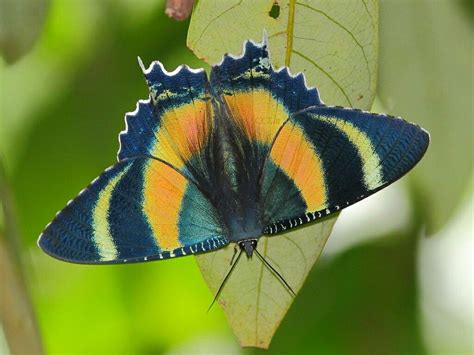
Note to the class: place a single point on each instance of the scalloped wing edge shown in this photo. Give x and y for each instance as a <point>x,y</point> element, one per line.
<point>158,66</point>
<point>281,70</point>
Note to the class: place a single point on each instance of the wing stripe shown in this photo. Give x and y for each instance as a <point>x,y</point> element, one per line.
<point>162,197</point>
<point>255,116</point>
<point>372,170</point>
<point>340,158</point>
<point>181,133</point>
<point>292,153</point>
<point>127,217</point>
<point>102,236</point>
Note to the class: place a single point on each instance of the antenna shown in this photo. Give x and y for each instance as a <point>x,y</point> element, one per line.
<point>267,264</point>
<point>225,279</point>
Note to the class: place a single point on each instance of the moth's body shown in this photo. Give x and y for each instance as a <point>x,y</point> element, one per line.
<point>204,162</point>
<point>235,189</point>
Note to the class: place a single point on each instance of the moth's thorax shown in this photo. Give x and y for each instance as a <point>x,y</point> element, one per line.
<point>245,226</point>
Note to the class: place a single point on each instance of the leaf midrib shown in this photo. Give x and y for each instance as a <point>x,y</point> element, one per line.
<point>289,32</point>
<point>259,285</point>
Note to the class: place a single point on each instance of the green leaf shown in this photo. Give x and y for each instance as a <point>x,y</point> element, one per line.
<point>426,77</point>
<point>335,45</point>
<point>253,299</point>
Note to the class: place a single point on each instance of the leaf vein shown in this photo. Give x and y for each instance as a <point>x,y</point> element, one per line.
<point>289,33</point>
<point>337,23</point>
<point>326,73</point>
<point>215,19</point>
<point>259,286</point>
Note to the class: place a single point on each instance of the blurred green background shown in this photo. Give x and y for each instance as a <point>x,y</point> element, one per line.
<point>396,277</point>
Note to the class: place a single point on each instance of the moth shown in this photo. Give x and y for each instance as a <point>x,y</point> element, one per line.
<point>205,162</point>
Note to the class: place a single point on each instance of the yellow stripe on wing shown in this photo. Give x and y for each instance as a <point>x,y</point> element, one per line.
<point>102,237</point>
<point>371,166</point>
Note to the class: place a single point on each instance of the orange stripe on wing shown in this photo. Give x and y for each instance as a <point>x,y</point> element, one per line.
<point>163,193</point>
<point>182,133</point>
<point>257,113</point>
<point>293,154</point>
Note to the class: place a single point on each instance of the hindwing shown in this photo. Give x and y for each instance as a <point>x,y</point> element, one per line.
<point>327,158</point>
<point>139,209</point>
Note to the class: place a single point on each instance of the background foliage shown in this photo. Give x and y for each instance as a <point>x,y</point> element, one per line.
<point>382,286</point>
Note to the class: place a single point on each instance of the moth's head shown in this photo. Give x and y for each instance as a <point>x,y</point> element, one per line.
<point>248,246</point>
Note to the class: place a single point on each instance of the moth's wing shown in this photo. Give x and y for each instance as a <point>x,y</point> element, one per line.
<point>139,209</point>
<point>257,98</point>
<point>327,158</point>
<point>174,123</point>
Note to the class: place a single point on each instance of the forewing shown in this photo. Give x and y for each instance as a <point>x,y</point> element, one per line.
<point>139,209</point>
<point>327,158</point>
<point>175,123</point>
